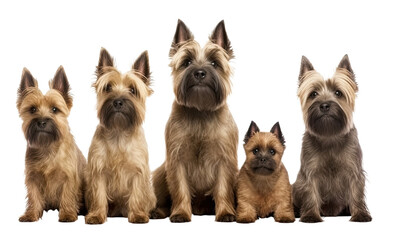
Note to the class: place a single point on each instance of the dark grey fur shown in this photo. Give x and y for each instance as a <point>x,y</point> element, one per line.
<point>331,179</point>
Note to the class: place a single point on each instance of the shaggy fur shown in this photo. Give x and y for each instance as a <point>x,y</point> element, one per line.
<point>118,175</point>
<point>263,187</point>
<point>54,164</point>
<point>201,135</point>
<point>331,179</point>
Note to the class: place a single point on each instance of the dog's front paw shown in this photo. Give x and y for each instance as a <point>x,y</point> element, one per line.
<point>245,219</point>
<point>29,217</point>
<point>225,218</point>
<point>138,219</point>
<point>311,218</point>
<point>361,217</point>
<point>180,218</point>
<point>158,213</point>
<point>67,217</point>
<point>94,219</point>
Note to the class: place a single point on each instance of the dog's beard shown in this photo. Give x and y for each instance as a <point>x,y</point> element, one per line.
<point>42,137</point>
<point>121,119</point>
<point>206,95</point>
<point>266,167</point>
<point>329,123</point>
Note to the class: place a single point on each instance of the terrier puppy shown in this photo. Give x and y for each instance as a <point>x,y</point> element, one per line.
<point>54,165</point>
<point>263,186</point>
<point>118,175</point>
<point>201,136</point>
<point>331,179</point>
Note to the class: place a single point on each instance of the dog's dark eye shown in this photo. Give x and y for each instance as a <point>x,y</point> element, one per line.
<point>132,90</point>
<point>187,62</point>
<point>214,64</point>
<point>272,151</point>
<point>338,93</point>
<point>54,110</point>
<point>255,151</point>
<point>313,94</point>
<point>108,88</point>
<point>33,110</point>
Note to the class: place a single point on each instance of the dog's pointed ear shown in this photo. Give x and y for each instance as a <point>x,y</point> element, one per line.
<point>141,65</point>
<point>61,84</point>
<point>105,61</point>
<point>345,63</point>
<point>305,67</point>
<point>253,128</point>
<point>182,34</point>
<point>276,130</point>
<point>219,37</point>
<point>27,80</point>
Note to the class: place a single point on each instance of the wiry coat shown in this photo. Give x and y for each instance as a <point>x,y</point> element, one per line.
<point>200,169</point>
<point>331,179</point>
<point>118,175</point>
<point>54,165</point>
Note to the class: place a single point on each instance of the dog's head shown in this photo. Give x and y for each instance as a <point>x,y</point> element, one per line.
<point>121,97</point>
<point>44,116</point>
<point>327,105</point>
<point>201,74</point>
<point>263,150</point>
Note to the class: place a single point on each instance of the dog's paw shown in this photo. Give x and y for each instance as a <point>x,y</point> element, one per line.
<point>225,218</point>
<point>92,219</point>
<point>64,217</point>
<point>180,218</point>
<point>361,217</point>
<point>285,219</point>
<point>311,219</point>
<point>245,219</point>
<point>28,218</point>
<point>138,219</point>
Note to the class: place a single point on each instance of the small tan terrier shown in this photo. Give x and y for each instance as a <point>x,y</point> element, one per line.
<point>263,187</point>
<point>118,175</point>
<point>54,165</point>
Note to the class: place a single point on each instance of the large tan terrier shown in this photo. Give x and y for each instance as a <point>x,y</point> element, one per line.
<point>331,179</point>
<point>118,175</point>
<point>54,165</point>
<point>263,187</point>
<point>201,135</point>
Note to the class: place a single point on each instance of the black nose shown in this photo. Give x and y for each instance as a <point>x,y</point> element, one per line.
<point>199,74</point>
<point>42,123</point>
<point>263,160</point>
<point>324,107</point>
<point>118,103</point>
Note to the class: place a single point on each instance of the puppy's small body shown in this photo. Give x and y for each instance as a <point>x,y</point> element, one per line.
<point>118,175</point>
<point>54,164</point>
<point>263,187</point>
<point>331,179</point>
<point>201,136</point>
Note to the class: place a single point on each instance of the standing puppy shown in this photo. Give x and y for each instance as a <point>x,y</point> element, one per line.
<point>201,136</point>
<point>118,175</point>
<point>263,186</point>
<point>54,165</point>
<point>331,178</point>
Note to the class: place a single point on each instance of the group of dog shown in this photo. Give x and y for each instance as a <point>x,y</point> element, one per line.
<point>200,174</point>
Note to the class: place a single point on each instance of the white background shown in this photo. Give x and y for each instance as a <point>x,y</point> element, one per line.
<point>268,38</point>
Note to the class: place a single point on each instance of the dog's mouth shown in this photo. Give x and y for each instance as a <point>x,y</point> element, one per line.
<point>263,166</point>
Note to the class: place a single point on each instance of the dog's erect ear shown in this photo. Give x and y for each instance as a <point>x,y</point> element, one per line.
<point>27,81</point>
<point>182,34</point>
<point>219,37</point>
<point>141,65</point>
<point>105,61</point>
<point>60,83</point>
<point>345,64</point>
<point>305,67</point>
<point>253,128</point>
<point>276,130</point>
